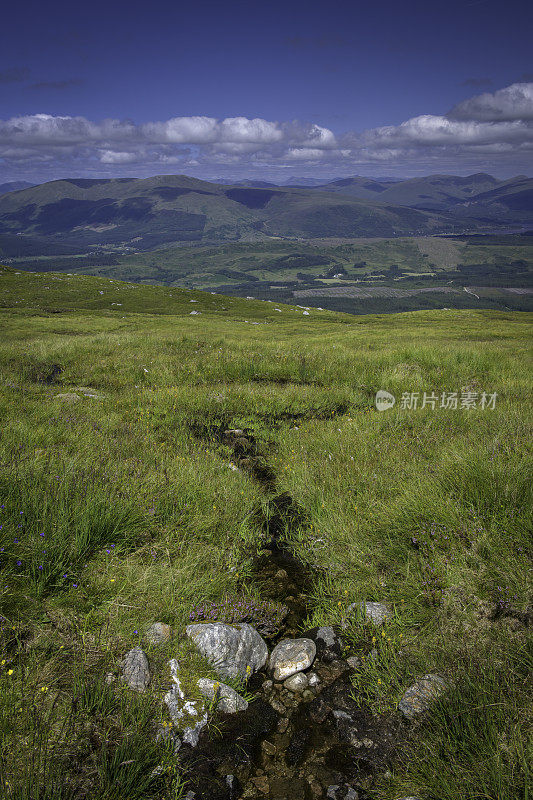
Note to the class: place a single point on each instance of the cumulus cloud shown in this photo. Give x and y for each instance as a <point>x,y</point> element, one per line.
<point>488,131</point>
<point>431,130</point>
<point>515,102</point>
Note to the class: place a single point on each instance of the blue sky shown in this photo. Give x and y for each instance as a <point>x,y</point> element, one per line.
<point>348,68</point>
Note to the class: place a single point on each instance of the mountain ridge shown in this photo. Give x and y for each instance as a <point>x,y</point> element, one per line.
<point>144,213</point>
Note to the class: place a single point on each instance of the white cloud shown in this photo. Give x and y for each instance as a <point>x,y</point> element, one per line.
<point>114,157</point>
<point>515,102</point>
<point>431,130</point>
<point>483,132</point>
<point>181,130</point>
<point>243,130</point>
<point>305,153</point>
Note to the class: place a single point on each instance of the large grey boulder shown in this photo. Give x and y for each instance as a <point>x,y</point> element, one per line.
<point>136,670</point>
<point>421,694</point>
<point>235,651</point>
<point>229,701</point>
<point>291,656</point>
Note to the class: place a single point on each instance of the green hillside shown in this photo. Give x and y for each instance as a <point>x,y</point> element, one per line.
<point>141,214</point>
<point>157,440</point>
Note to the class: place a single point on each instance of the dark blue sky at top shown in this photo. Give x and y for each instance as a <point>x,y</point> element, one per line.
<point>343,65</point>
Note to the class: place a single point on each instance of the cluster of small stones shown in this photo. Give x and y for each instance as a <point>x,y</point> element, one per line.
<point>298,670</point>
<point>309,676</point>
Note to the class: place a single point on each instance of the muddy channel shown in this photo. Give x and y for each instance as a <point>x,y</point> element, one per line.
<point>319,743</point>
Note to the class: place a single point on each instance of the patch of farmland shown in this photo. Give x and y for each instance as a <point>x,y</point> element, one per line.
<point>370,291</point>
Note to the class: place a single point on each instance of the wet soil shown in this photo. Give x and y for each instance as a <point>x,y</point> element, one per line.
<point>320,743</point>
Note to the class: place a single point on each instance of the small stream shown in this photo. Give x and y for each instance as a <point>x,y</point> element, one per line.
<point>319,743</point>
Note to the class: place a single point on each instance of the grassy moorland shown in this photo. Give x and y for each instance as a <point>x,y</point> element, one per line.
<point>121,509</point>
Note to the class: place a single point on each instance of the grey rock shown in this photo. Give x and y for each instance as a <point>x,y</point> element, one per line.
<point>158,633</point>
<point>421,694</point>
<point>328,644</point>
<point>290,656</point>
<point>266,686</point>
<point>192,735</point>
<point>327,635</point>
<point>229,701</point>
<point>345,792</point>
<point>375,612</point>
<point>136,670</point>
<point>235,651</point>
<point>297,682</point>
<point>313,679</point>
<point>354,662</point>
<point>181,709</point>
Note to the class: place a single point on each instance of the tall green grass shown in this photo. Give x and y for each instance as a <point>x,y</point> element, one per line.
<point>122,510</point>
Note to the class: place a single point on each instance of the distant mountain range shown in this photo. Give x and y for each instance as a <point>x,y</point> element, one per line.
<point>81,213</point>
<point>480,192</point>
